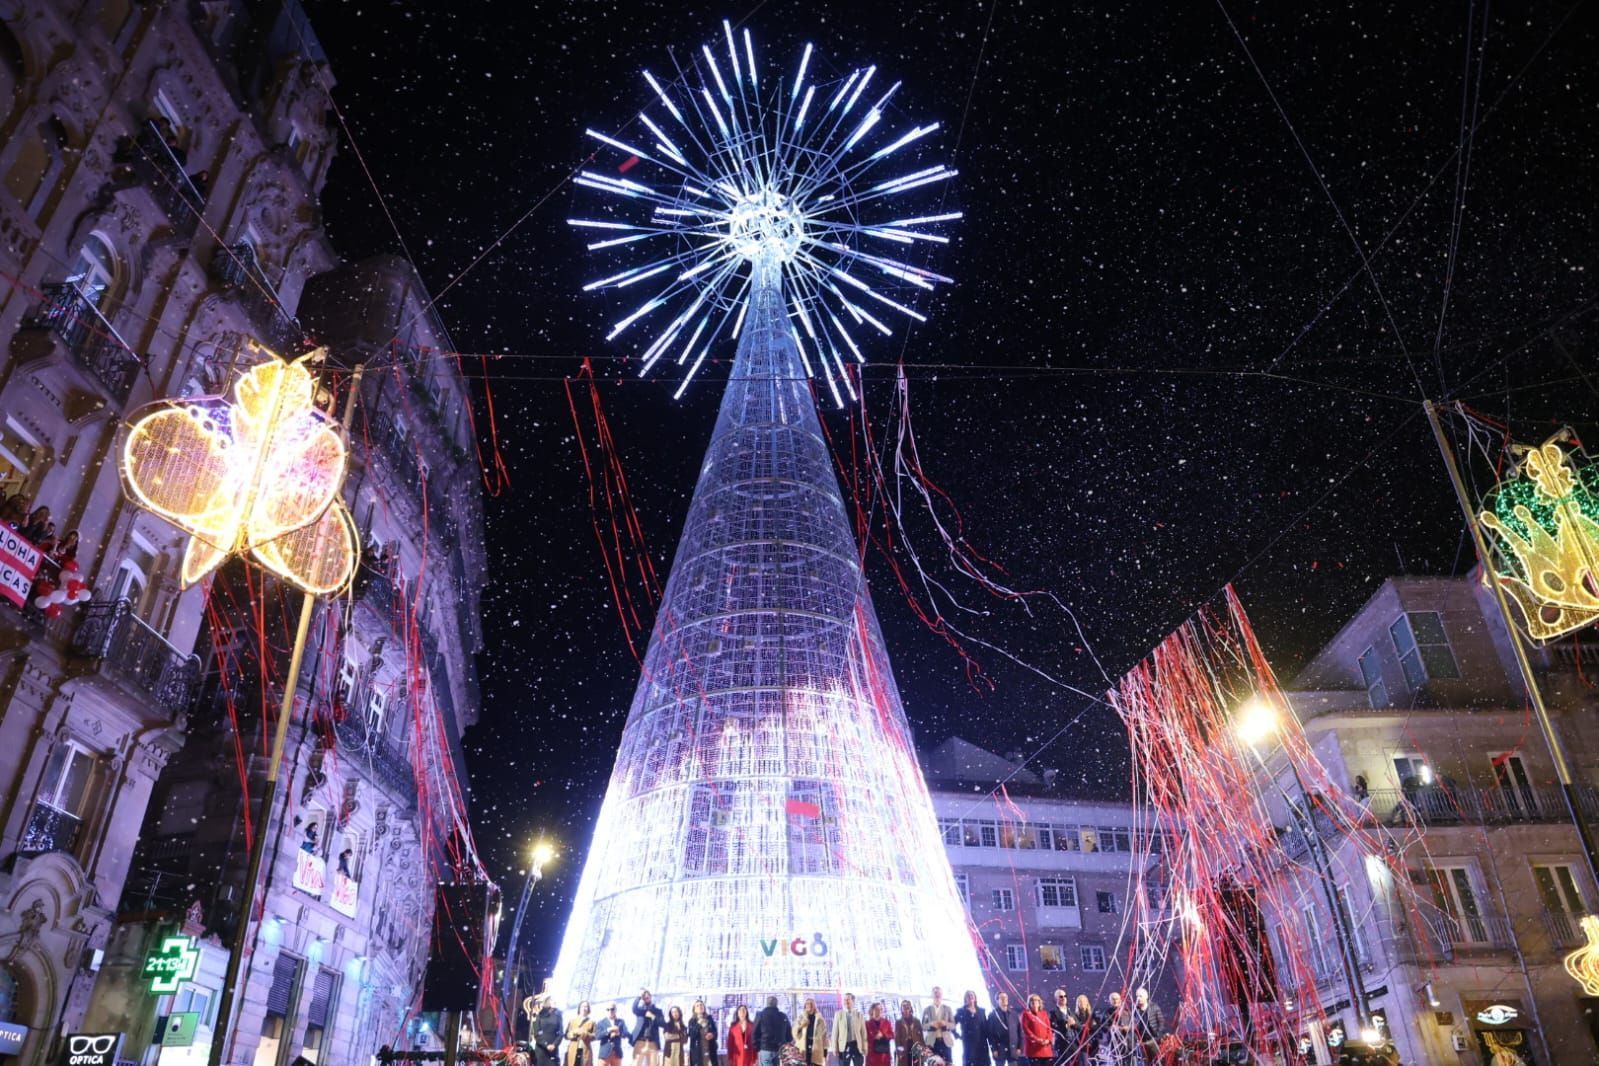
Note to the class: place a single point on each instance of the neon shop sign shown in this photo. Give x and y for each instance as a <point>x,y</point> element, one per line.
<point>816,946</point>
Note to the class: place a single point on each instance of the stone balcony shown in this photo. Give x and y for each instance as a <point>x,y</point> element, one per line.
<point>147,161</point>
<point>236,269</point>
<point>86,358</point>
<point>126,651</point>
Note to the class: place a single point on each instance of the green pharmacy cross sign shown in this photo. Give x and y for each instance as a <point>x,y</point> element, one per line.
<point>171,964</point>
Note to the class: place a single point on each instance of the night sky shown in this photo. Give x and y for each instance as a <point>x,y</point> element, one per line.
<point>1163,367</point>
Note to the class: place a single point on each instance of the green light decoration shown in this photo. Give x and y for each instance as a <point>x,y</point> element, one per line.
<point>171,964</point>
<point>1545,517</point>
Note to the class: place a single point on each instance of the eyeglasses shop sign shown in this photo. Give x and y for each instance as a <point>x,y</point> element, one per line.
<point>91,1049</point>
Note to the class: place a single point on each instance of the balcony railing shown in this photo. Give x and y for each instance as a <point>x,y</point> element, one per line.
<point>148,159</point>
<point>49,829</point>
<point>390,769</point>
<point>1440,805</point>
<point>113,634</point>
<point>236,268</point>
<point>84,331</point>
<point>1564,931</point>
<point>1479,932</point>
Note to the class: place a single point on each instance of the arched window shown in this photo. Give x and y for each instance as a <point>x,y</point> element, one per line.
<point>94,271</point>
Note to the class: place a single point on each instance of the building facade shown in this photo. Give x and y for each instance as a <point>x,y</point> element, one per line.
<point>1463,911</point>
<point>1045,877</point>
<point>160,167</point>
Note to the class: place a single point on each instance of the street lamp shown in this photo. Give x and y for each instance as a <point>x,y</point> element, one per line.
<point>541,854</point>
<point>1254,722</point>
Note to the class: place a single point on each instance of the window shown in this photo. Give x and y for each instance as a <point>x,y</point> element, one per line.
<point>1004,900</point>
<point>963,888</point>
<point>133,573</point>
<point>280,1003</point>
<point>1355,924</point>
<point>1453,894</point>
<point>1057,892</point>
<point>1050,957</point>
<point>344,684</point>
<point>1106,902</point>
<point>1515,787</point>
<point>1423,648</point>
<point>18,453</point>
<point>951,830</point>
<point>68,777</point>
<point>163,108</point>
<point>377,704</point>
<point>1115,838</point>
<point>94,271</point>
<point>1557,887</point>
<point>1067,838</point>
<point>988,833</point>
<point>193,998</point>
<point>1371,676</point>
<point>1015,958</point>
<point>1046,837</point>
<point>319,1013</point>
<point>1090,840</point>
<point>1412,771</point>
<point>1093,958</point>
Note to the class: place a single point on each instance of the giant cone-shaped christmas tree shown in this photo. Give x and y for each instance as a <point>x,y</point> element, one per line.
<point>767,828</point>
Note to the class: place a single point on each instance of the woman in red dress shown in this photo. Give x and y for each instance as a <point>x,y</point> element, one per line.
<point>741,1039</point>
<point>879,1037</point>
<point>1038,1038</point>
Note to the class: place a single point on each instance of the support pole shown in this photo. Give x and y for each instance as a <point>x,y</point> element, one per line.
<point>452,1037</point>
<point>258,842</point>
<point>1557,751</point>
<point>224,1031</point>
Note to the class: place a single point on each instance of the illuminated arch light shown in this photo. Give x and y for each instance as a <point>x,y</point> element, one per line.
<point>259,474</point>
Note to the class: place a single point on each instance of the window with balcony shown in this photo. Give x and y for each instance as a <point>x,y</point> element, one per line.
<point>1454,894</point>
<point>1050,957</point>
<point>1057,892</point>
<point>1093,956</point>
<point>62,802</point>
<point>1004,900</point>
<point>1371,677</point>
<point>1515,785</point>
<point>94,272</point>
<point>132,579</point>
<point>1557,887</point>
<point>1015,958</point>
<point>344,683</point>
<point>377,706</point>
<point>1423,648</point>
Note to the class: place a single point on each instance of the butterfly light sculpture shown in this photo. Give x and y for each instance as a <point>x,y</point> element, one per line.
<point>257,474</point>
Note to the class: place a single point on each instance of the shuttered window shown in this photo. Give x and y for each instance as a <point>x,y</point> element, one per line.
<point>285,972</point>
<point>322,996</point>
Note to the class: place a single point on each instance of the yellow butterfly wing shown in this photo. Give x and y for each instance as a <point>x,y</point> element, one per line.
<point>319,558</point>
<point>178,461</point>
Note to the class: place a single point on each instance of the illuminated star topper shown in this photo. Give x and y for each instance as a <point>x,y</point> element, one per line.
<point>260,473</point>
<point>744,178</point>
<point>1546,515</point>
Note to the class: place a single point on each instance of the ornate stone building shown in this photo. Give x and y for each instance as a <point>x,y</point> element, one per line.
<point>160,166</point>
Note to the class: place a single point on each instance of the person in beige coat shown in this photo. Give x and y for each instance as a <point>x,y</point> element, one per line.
<point>849,1034</point>
<point>810,1035</point>
<point>580,1038</point>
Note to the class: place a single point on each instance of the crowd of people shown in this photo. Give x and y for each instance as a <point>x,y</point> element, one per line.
<point>59,580</point>
<point>1065,1033</point>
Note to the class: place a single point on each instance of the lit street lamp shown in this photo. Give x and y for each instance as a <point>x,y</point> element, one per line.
<point>542,853</point>
<point>1255,721</point>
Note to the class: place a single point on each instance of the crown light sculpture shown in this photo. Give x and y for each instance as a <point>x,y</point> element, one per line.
<point>260,476</point>
<point>767,828</point>
<point>1545,515</point>
<point>1583,964</point>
